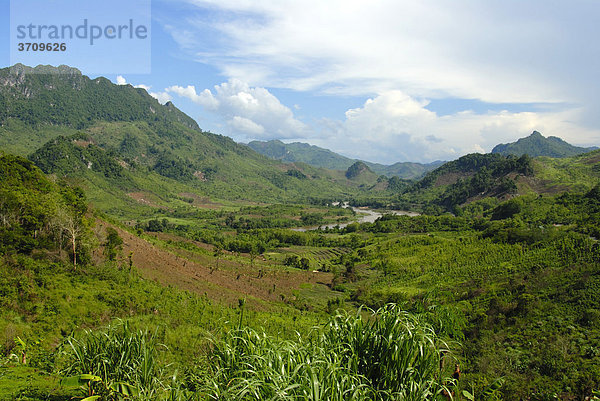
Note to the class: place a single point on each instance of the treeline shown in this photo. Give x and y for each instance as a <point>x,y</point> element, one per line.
<point>36,213</point>
<point>75,154</point>
<point>495,164</point>
<point>260,240</point>
<point>529,218</point>
<point>480,175</point>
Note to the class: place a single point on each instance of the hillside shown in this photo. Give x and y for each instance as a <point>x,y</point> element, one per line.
<point>537,145</point>
<point>141,255</point>
<point>319,157</point>
<point>119,140</point>
<point>301,152</point>
<point>488,178</point>
<point>175,312</point>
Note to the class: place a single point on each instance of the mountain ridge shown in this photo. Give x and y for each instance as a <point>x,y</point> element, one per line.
<point>119,132</point>
<point>537,145</point>
<point>321,157</point>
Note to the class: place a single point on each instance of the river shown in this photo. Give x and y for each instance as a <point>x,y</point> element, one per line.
<point>365,215</point>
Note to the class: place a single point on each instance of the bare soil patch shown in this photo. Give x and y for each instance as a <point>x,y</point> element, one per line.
<point>262,283</point>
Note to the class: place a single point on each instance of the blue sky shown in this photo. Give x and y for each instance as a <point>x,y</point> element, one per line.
<point>383,81</point>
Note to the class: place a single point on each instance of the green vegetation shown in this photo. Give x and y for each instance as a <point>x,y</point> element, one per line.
<point>297,152</point>
<point>388,356</point>
<point>202,270</point>
<point>537,145</point>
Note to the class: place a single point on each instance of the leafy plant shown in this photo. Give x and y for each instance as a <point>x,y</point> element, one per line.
<point>116,360</point>
<point>95,388</point>
<point>389,356</point>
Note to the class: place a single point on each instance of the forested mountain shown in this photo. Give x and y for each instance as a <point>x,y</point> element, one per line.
<point>492,177</point>
<point>319,157</point>
<point>76,126</point>
<point>538,145</point>
<point>204,270</point>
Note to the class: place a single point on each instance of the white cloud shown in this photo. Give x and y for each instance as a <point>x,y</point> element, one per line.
<point>162,97</point>
<point>145,87</point>
<point>395,127</point>
<point>387,128</point>
<point>250,112</point>
<point>205,98</point>
<point>246,126</point>
<point>492,51</point>
<point>399,53</point>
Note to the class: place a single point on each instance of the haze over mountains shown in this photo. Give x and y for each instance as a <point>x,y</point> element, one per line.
<point>533,145</point>
<point>319,157</point>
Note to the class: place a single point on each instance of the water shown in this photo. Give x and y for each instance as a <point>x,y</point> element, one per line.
<point>365,215</point>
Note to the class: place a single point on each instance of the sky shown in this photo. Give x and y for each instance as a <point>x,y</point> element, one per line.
<point>380,80</point>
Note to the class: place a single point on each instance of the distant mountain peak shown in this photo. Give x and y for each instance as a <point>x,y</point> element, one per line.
<point>537,145</point>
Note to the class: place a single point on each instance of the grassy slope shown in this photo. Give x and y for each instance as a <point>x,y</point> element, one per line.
<point>577,173</point>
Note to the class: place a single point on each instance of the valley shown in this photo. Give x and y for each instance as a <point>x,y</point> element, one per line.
<point>144,258</point>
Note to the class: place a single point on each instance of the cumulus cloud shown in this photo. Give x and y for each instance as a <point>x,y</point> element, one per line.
<point>492,51</point>
<point>250,112</point>
<point>162,97</point>
<point>246,126</point>
<point>145,87</point>
<point>398,54</point>
<point>395,127</point>
<point>387,128</point>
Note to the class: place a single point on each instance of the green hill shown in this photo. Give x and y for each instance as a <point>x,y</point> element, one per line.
<point>119,140</point>
<point>319,157</point>
<point>538,145</point>
<point>195,287</point>
<point>496,177</point>
<point>301,152</point>
<point>361,173</point>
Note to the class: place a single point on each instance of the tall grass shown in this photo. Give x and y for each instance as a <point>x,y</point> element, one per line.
<point>118,354</point>
<point>391,355</point>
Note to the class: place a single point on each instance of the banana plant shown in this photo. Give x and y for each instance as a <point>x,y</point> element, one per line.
<point>96,389</point>
<point>22,349</point>
<point>490,393</point>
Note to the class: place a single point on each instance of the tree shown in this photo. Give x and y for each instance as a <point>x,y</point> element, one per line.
<point>253,254</point>
<point>113,244</point>
<point>217,253</point>
<point>70,226</point>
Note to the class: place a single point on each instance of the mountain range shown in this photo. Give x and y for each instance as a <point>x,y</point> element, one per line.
<point>320,157</point>
<point>116,136</point>
<point>534,145</point>
<point>132,154</point>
